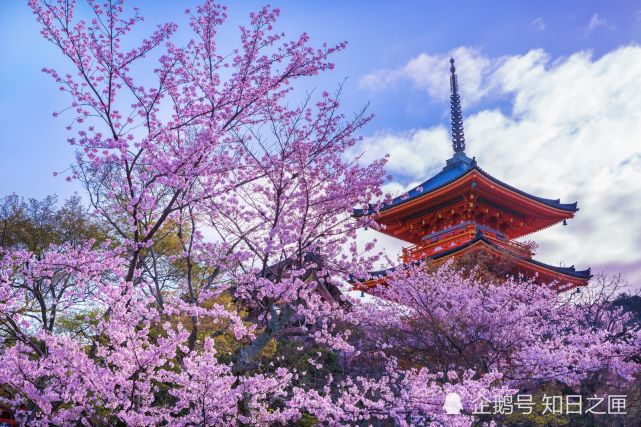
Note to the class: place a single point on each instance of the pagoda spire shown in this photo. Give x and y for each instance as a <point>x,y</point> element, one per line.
<point>458,137</point>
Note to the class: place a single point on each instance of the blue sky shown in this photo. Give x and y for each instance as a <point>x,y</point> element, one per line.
<point>550,93</point>
<point>381,35</point>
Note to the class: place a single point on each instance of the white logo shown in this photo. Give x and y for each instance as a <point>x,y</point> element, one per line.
<point>452,405</point>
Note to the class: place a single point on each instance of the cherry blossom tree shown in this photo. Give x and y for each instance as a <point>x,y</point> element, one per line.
<point>448,319</point>
<point>228,204</point>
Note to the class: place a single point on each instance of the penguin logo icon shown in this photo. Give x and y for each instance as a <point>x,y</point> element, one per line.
<point>452,405</point>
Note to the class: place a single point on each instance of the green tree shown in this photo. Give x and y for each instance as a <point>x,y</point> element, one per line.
<point>34,224</point>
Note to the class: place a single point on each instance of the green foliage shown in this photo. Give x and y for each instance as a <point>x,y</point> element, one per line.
<point>537,418</point>
<point>307,420</point>
<point>77,324</point>
<point>35,224</point>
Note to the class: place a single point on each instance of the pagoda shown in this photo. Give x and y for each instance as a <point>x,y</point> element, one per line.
<point>463,209</point>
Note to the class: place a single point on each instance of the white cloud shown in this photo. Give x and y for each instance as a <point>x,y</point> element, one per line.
<point>538,24</point>
<point>426,72</point>
<point>596,22</point>
<point>574,132</point>
<point>410,152</point>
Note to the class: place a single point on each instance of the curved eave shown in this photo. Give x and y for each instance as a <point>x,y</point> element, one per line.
<point>570,273</point>
<point>565,271</point>
<point>448,176</point>
<point>433,184</point>
<point>553,203</point>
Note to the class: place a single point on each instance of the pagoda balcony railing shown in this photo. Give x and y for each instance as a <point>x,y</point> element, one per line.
<point>458,236</point>
<point>517,248</point>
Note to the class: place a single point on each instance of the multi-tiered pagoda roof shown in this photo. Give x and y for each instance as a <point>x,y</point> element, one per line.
<point>463,208</point>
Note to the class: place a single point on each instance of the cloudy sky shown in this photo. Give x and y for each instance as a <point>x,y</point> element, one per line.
<point>551,95</point>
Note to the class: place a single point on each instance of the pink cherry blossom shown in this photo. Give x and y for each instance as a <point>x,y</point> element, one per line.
<point>229,209</point>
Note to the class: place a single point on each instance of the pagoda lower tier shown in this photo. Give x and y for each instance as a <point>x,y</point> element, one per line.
<point>470,238</point>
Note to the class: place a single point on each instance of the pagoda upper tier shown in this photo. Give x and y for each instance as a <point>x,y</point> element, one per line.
<point>462,191</point>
